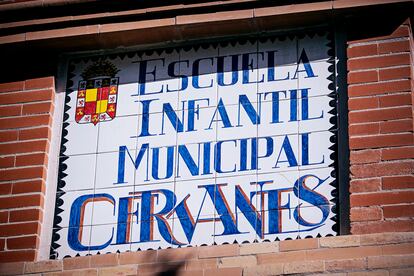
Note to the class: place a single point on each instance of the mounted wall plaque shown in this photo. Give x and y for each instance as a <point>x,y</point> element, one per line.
<point>200,145</point>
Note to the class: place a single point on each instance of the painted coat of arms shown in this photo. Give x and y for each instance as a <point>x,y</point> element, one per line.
<point>97,93</point>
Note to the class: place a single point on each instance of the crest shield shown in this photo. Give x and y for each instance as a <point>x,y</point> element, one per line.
<point>96,100</point>
<point>97,94</point>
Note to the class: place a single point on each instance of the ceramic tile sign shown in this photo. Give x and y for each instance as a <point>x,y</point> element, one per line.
<point>228,142</point>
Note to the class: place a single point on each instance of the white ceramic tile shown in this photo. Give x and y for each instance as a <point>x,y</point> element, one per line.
<point>246,228</point>
<point>276,191</point>
<point>83,240</point>
<point>194,233</point>
<point>314,113</point>
<point>238,123</point>
<point>162,194</point>
<point>83,205</point>
<point>195,161</point>
<point>199,125</point>
<point>157,164</point>
<point>316,220</point>
<point>161,211</point>
<point>121,131</point>
<point>278,118</point>
<point>315,46</point>
<point>145,240</point>
<point>199,195</point>
<point>128,85</point>
<point>156,88</point>
<point>80,170</point>
<point>314,150</point>
<point>111,172</point>
<point>278,153</point>
<point>193,218</point>
<point>231,159</point>
<point>202,88</point>
<point>279,224</point>
<point>127,99</point>
<point>104,240</point>
<point>318,85</point>
<point>81,139</point>
<point>106,204</point>
<point>240,76</point>
<point>277,64</point>
<point>159,131</point>
<point>315,187</point>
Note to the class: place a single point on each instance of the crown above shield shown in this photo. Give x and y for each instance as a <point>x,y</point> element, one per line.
<point>100,69</point>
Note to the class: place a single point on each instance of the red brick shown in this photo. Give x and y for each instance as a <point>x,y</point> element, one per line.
<point>380,115</point>
<point>17,256</point>
<point>343,253</point>
<point>21,201</point>
<point>18,229</point>
<point>31,186</point>
<point>382,169</point>
<point>397,153</point>
<point>8,136</point>
<point>381,141</point>
<point>366,214</point>
<point>362,103</point>
<point>31,159</point>
<point>362,76</point>
<point>2,245</point>
<point>396,126</point>
<point>378,62</point>
<point>401,31</point>
<point>394,73</point>
<point>398,211</point>
<point>104,260</point>
<point>23,147</point>
<point>282,257</point>
<point>394,47</point>
<point>140,257</point>
<point>382,198</point>
<point>364,129</point>
<point>26,121</point>
<point>26,97</point>
<point>365,156</point>
<point>6,162</point>
<point>34,133</point>
<point>5,188</point>
<point>4,216</point>
<point>398,182</point>
<point>293,245</point>
<point>11,86</point>
<point>361,51</point>
<point>23,173</point>
<point>77,262</point>
<point>13,268</point>
<point>395,100</point>
<point>12,110</point>
<point>37,108</point>
<point>379,88</point>
<point>382,226</point>
<point>39,83</point>
<point>26,215</point>
<point>398,249</point>
<point>365,185</point>
<point>26,242</point>
<point>218,251</point>
<point>225,271</point>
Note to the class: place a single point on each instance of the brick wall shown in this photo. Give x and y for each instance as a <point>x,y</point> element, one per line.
<point>356,255</point>
<point>382,184</point>
<point>26,109</point>
<point>381,133</point>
